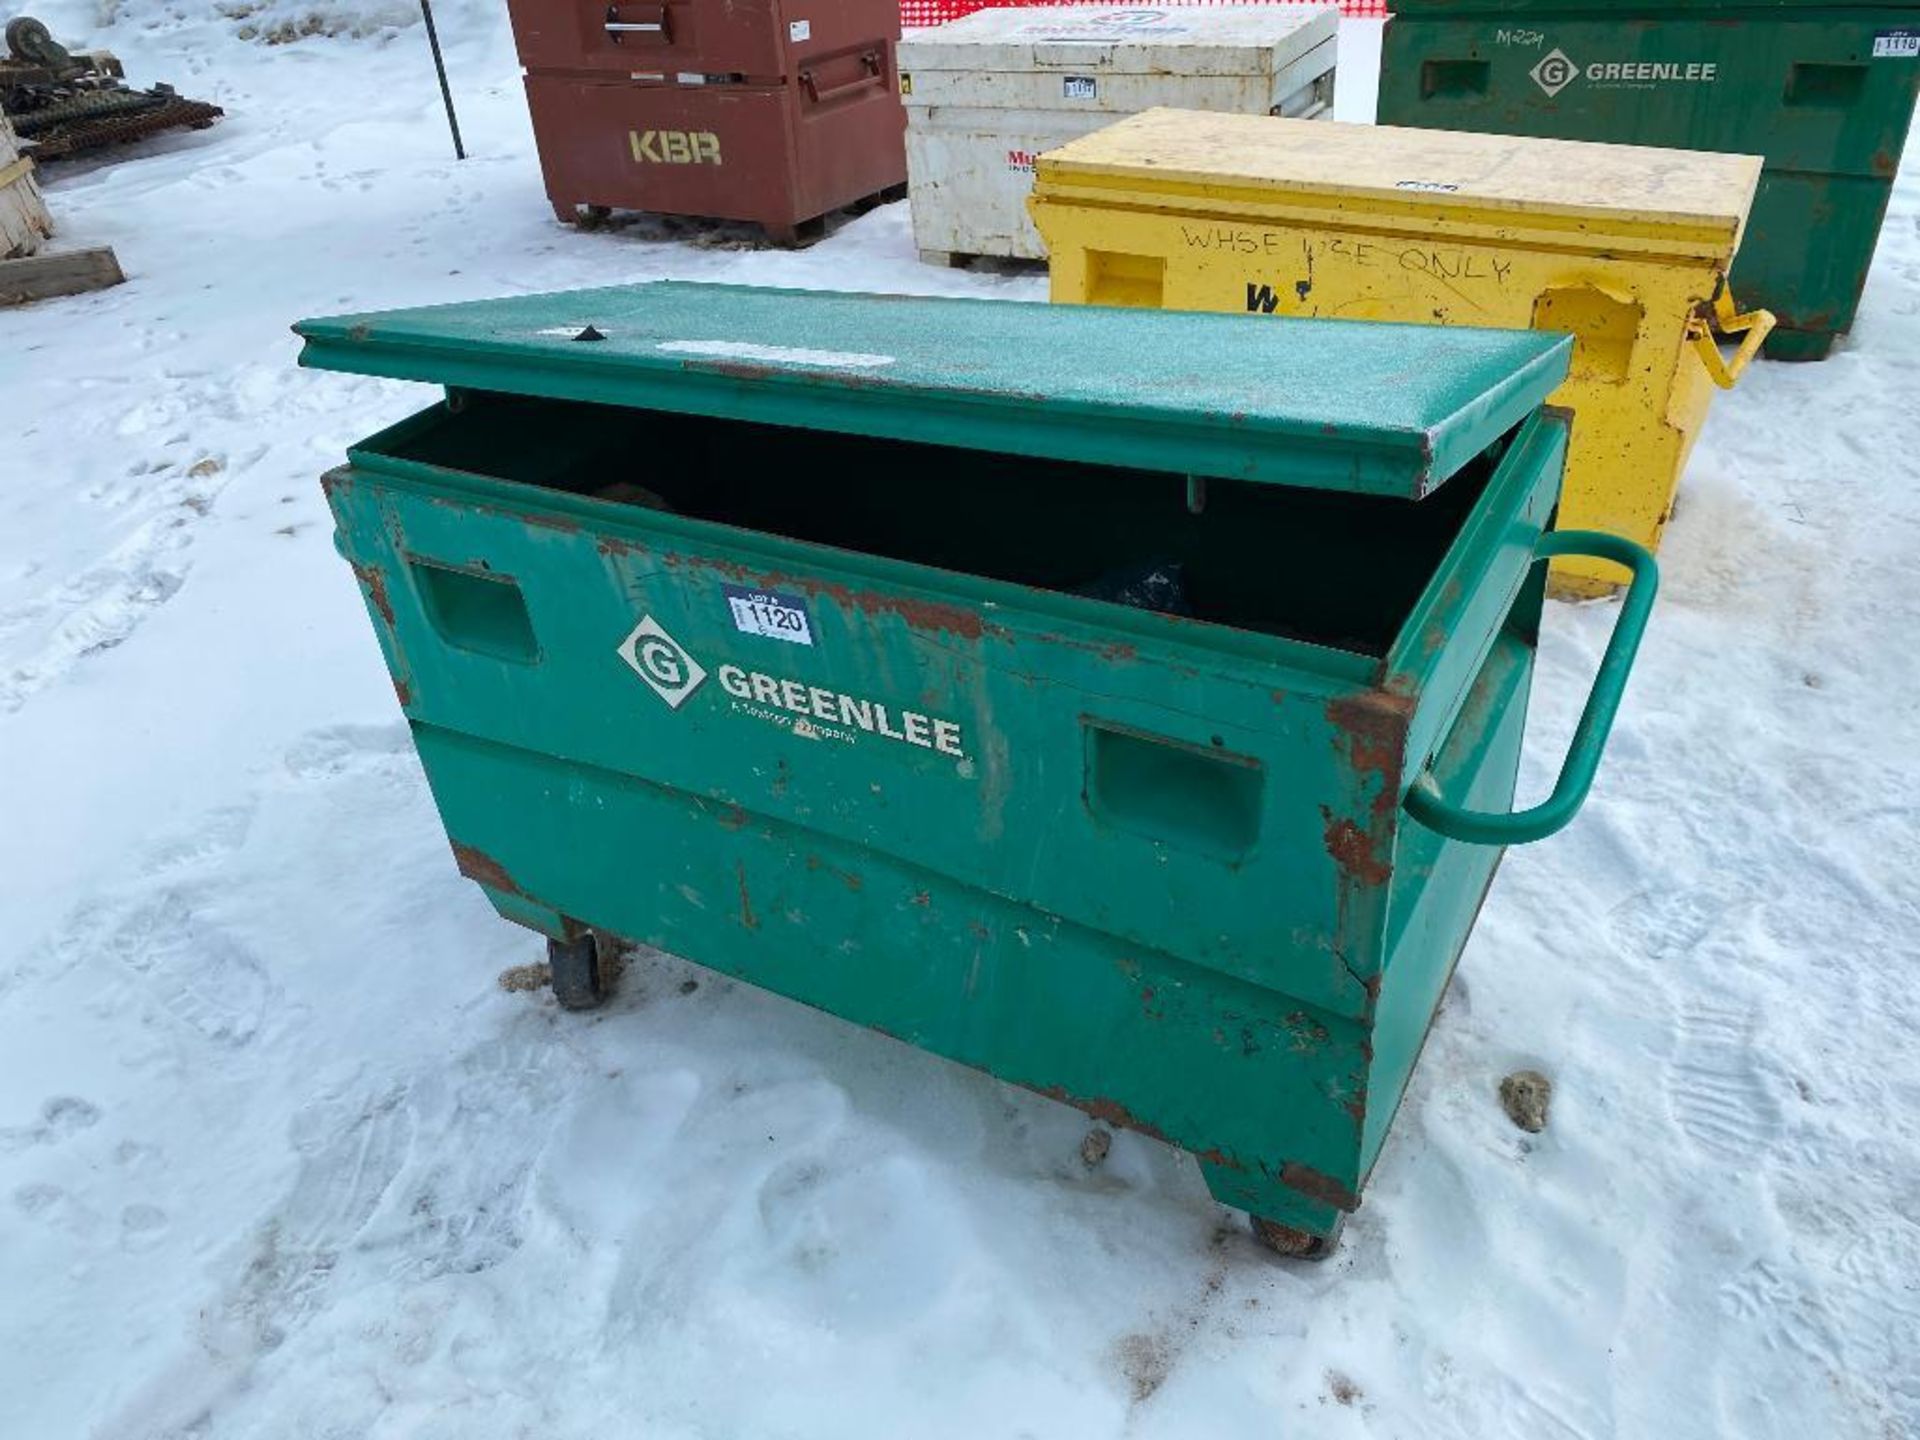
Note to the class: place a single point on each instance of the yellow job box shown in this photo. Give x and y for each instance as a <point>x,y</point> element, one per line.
<point>1624,246</point>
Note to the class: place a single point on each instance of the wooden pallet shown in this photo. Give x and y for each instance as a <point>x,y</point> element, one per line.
<point>24,221</point>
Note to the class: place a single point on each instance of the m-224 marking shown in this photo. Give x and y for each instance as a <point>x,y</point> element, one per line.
<point>674,147</point>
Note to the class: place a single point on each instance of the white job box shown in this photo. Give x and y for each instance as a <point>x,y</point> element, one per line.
<point>989,91</point>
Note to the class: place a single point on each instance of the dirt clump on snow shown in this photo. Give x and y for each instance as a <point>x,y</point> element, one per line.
<point>1525,1095</point>
<point>525,979</point>
<point>1094,1148</point>
<point>1343,1388</point>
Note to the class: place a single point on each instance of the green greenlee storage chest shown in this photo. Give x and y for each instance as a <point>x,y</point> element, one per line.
<point>1824,90</point>
<point>1125,703</point>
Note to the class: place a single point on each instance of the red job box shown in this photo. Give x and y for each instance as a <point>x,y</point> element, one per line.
<point>770,111</point>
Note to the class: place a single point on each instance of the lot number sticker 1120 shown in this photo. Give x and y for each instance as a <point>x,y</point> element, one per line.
<point>769,613</point>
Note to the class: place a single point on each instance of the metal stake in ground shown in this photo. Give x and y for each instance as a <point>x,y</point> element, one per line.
<point>440,69</point>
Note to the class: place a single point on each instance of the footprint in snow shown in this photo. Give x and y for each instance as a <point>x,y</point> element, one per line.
<point>337,749</point>
<point>60,1117</point>
<point>201,975</point>
<point>217,834</point>
<point>1716,1090</point>
<point>53,1206</point>
<point>1784,1313</point>
<point>142,1226</point>
<point>351,1151</point>
<point>464,1208</point>
<point>1667,925</point>
<point>1536,1409</point>
<point>868,1248</point>
<point>95,611</point>
<point>101,606</point>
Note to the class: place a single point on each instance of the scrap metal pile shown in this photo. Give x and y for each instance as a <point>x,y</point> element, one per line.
<point>64,102</point>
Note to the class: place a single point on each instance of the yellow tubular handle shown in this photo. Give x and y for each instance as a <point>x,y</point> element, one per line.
<point>1727,319</point>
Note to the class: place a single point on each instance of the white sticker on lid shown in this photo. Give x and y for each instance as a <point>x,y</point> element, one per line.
<point>1897,45</point>
<point>777,354</point>
<point>798,30</point>
<point>769,613</point>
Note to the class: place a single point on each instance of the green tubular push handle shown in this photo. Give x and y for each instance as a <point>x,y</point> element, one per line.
<point>1424,801</point>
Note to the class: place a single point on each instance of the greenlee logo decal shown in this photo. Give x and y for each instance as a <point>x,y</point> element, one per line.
<point>810,712</point>
<point>656,657</point>
<point>1557,70</point>
<point>815,713</point>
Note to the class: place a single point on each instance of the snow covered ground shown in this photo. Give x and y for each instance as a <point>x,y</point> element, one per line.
<point>278,1157</point>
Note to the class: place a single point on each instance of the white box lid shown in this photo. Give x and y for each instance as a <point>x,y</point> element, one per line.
<point>1097,40</point>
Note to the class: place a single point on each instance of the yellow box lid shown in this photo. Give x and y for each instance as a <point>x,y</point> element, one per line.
<point>1635,189</point>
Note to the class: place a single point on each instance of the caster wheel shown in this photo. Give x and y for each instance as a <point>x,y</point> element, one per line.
<point>579,974</point>
<point>1293,1243</point>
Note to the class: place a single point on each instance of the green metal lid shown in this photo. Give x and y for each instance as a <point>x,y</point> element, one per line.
<point>1336,405</point>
